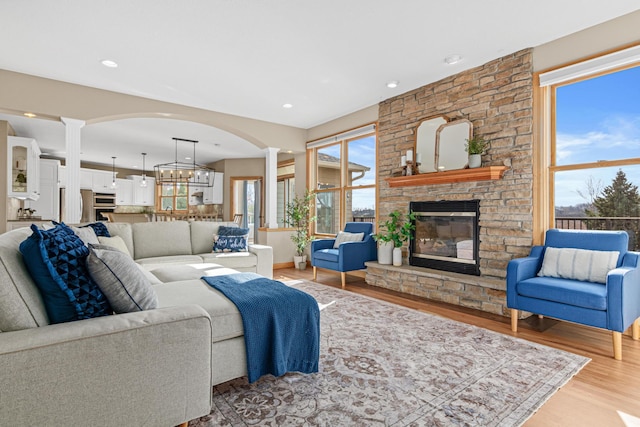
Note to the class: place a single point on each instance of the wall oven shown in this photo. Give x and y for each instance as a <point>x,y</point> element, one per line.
<point>103,203</point>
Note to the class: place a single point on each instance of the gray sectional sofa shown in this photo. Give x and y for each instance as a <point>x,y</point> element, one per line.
<point>148,368</point>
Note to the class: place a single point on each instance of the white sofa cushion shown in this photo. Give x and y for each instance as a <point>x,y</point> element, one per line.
<point>578,264</point>
<point>155,239</point>
<point>224,314</point>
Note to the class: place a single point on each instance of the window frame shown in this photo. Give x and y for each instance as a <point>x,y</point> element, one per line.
<point>343,188</point>
<point>544,147</point>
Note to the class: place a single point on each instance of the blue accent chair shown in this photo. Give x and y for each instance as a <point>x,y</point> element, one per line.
<point>613,306</point>
<point>348,256</point>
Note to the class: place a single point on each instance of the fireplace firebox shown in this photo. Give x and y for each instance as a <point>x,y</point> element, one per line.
<point>446,236</point>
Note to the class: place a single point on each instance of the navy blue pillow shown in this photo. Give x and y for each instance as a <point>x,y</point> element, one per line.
<point>223,230</point>
<point>99,228</point>
<point>231,239</point>
<point>56,259</point>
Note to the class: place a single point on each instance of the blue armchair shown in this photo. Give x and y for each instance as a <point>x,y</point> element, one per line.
<point>348,256</point>
<point>613,305</point>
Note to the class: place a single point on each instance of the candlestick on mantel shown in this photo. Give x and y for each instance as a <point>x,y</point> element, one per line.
<point>403,161</point>
<point>409,155</point>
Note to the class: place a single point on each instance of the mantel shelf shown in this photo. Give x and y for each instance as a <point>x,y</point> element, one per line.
<point>448,177</point>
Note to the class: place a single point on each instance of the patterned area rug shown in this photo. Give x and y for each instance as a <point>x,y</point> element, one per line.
<point>386,365</point>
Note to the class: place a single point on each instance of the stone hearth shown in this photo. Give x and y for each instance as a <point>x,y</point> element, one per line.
<point>482,293</point>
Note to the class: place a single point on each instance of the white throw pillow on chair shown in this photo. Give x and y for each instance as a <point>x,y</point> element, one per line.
<point>344,236</point>
<point>578,264</point>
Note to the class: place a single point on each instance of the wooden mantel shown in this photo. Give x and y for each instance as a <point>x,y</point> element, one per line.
<point>448,177</point>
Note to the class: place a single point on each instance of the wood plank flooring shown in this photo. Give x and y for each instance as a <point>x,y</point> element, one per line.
<point>605,393</point>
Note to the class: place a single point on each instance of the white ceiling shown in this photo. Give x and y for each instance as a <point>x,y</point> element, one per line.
<point>248,57</point>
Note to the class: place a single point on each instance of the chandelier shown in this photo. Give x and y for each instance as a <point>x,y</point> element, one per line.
<point>193,174</point>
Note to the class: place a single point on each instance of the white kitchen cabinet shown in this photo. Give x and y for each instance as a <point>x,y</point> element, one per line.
<point>214,195</point>
<point>86,179</point>
<point>23,168</point>
<point>102,181</point>
<point>143,196</point>
<point>48,204</point>
<point>124,192</point>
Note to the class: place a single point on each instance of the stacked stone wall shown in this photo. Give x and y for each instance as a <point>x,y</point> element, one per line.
<point>498,99</point>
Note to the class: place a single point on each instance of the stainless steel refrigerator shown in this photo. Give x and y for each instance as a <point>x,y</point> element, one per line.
<point>86,205</point>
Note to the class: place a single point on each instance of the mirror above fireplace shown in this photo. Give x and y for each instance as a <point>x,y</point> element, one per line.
<point>426,142</point>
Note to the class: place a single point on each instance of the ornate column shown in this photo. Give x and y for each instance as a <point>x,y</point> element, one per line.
<point>72,208</point>
<point>271,188</point>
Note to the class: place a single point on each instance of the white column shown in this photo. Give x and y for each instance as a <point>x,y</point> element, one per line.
<point>73,208</point>
<point>271,188</point>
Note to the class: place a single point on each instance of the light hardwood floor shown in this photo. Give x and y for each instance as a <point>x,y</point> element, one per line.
<point>605,393</point>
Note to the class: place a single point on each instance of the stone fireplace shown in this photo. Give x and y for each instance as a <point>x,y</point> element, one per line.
<point>446,236</point>
<point>498,99</point>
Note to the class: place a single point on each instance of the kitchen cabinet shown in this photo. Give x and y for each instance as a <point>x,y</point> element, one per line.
<point>207,195</point>
<point>86,179</point>
<point>23,168</point>
<point>143,196</point>
<point>124,192</point>
<point>214,195</point>
<point>98,181</point>
<point>102,181</point>
<point>47,206</point>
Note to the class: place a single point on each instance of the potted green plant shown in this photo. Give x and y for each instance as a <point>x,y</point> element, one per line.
<point>476,146</point>
<point>398,230</point>
<point>298,214</point>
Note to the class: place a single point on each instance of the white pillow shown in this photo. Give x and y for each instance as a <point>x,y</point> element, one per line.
<point>343,236</point>
<point>578,264</point>
<point>115,242</point>
<point>87,235</point>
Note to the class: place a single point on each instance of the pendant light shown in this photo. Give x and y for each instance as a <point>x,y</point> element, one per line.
<point>191,174</point>
<point>143,183</point>
<point>113,173</point>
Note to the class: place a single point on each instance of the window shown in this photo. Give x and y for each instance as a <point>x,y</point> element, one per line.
<point>174,197</point>
<point>594,157</point>
<point>285,189</point>
<point>344,178</point>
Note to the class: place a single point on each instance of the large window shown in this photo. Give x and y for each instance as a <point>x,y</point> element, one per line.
<point>594,157</point>
<point>344,178</point>
<point>174,198</point>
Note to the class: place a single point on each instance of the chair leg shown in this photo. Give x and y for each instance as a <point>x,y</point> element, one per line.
<point>315,272</point>
<point>617,345</point>
<point>514,320</point>
<point>343,276</point>
<point>635,329</point>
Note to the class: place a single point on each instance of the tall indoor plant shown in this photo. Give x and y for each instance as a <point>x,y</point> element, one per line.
<point>397,230</point>
<point>299,217</point>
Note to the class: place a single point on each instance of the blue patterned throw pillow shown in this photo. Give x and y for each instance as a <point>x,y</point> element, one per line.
<point>99,228</point>
<point>230,239</point>
<point>56,260</point>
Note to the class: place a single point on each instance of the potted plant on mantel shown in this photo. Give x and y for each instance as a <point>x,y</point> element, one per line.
<point>397,231</point>
<point>476,146</point>
<point>299,217</point>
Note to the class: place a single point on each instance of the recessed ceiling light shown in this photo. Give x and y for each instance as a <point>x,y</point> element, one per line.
<point>109,63</point>
<point>453,59</point>
<point>392,84</point>
<point>287,105</point>
<point>30,115</point>
<point>187,158</point>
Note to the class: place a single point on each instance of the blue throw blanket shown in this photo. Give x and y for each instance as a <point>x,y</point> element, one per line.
<point>281,324</point>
